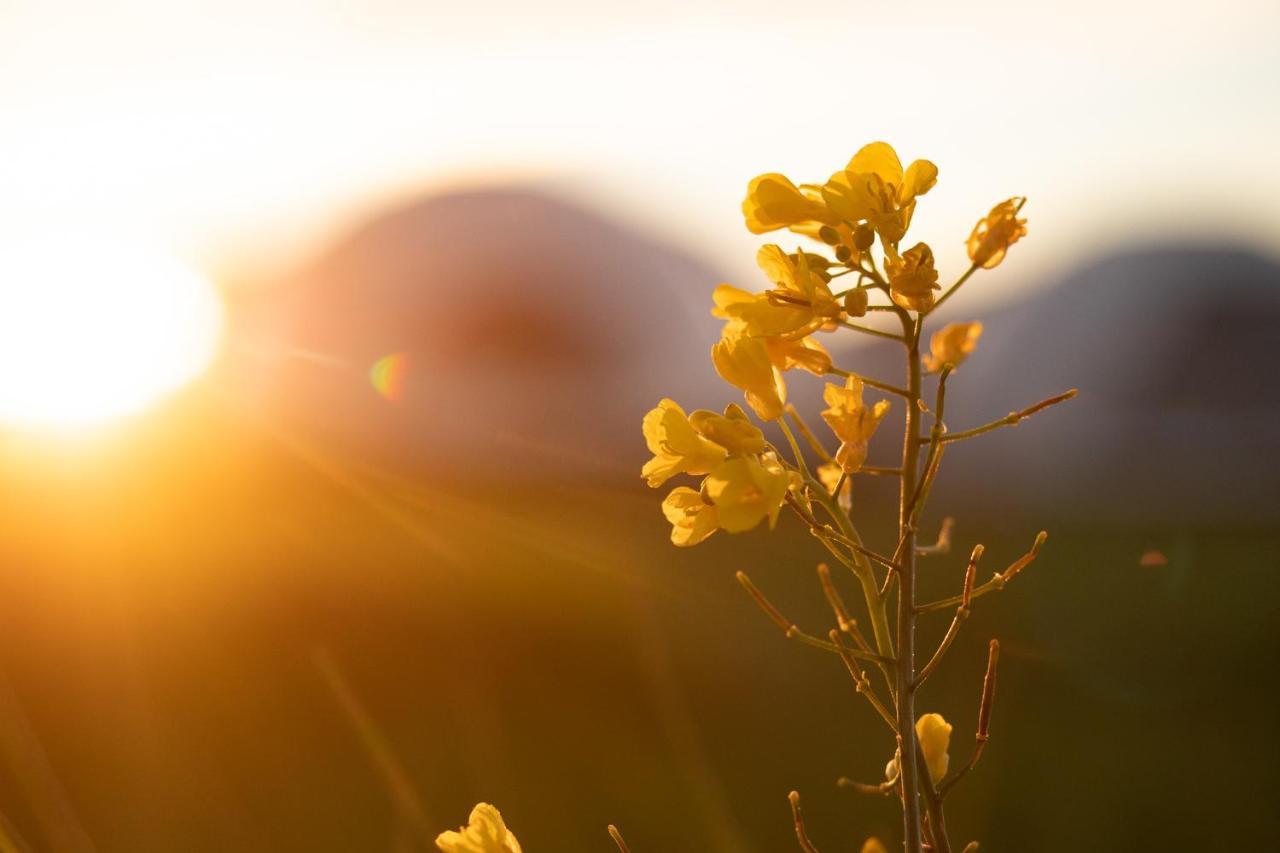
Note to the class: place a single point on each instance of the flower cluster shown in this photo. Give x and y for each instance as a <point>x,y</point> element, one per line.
<point>771,331</point>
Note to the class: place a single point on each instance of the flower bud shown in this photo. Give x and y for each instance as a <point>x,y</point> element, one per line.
<point>855,302</point>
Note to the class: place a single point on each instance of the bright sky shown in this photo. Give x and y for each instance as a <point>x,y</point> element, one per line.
<point>243,133</point>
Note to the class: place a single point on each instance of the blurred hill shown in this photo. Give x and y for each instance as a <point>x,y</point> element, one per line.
<point>537,333</point>
<point>1171,348</point>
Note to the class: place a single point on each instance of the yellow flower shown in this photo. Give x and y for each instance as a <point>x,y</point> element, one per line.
<point>934,734</point>
<point>996,232</point>
<point>805,353</point>
<point>935,737</point>
<point>692,519</point>
<point>759,315</point>
<point>851,421</point>
<point>746,491</point>
<point>744,362</point>
<point>484,833</point>
<point>733,430</point>
<point>873,845</point>
<point>873,188</point>
<point>912,277</point>
<point>676,446</point>
<point>774,202</point>
<point>800,299</point>
<point>952,345</point>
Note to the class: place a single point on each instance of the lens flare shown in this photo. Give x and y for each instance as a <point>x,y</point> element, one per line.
<point>93,329</point>
<point>388,375</point>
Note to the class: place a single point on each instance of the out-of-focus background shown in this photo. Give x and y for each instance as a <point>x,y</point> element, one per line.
<point>325,335</point>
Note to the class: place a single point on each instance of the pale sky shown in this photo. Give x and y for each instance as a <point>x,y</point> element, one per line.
<point>242,134</point>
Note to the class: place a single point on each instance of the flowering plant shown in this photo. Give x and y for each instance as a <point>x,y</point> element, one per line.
<point>861,215</point>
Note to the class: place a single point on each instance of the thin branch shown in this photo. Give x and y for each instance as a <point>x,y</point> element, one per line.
<point>997,581</point>
<point>885,788</point>
<point>943,545</point>
<point>984,719</point>
<point>879,471</point>
<point>617,839</point>
<point>827,530</point>
<point>808,434</point>
<point>1012,418</point>
<point>867,330</point>
<point>934,457</point>
<point>860,680</point>
<point>792,631</point>
<point>871,383</point>
<point>962,613</point>
<point>801,836</point>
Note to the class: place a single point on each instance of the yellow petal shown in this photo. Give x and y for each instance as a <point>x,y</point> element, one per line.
<point>744,362</point>
<point>692,519</point>
<point>774,202</point>
<point>732,430</point>
<point>873,845</point>
<point>485,832</point>
<point>806,353</point>
<point>920,178</point>
<point>676,446</point>
<point>952,345</point>
<point>745,491</point>
<point>934,733</point>
<point>878,158</point>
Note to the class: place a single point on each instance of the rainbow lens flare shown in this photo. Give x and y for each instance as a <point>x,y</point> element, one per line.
<point>388,375</point>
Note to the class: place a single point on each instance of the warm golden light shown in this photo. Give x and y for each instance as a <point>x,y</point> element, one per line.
<point>92,329</point>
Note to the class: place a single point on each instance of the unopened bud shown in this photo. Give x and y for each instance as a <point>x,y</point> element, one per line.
<point>863,237</point>
<point>843,254</point>
<point>829,235</point>
<point>855,302</point>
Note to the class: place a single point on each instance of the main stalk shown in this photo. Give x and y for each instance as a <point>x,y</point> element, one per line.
<point>906,560</point>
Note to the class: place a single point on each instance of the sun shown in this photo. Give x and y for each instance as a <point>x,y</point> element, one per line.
<point>94,329</point>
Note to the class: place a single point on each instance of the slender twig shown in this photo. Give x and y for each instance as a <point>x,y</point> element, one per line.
<point>984,719</point>
<point>801,836</point>
<point>795,449</point>
<point>1012,418</point>
<point>870,383</point>
<point>808,435</point>
<point>943,545</point>
<point>879,471</point>
<point>617,839</point>
<point>971,847</point>
<point>867,330</point>
<point>850,625</point>
<point>792,631</point>
<point>860,680</point>
<point>934,458</point>
<point>885,788</point>
<point>826,530</point>
<point>962,613</point>
<point>997,581</point>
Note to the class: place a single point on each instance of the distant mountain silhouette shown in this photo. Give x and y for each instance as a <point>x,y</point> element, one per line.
<point>538,334</point>
<point>1178,416</point>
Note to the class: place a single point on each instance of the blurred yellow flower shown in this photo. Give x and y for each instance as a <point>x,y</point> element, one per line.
<point>952,345</point>
<point>934,733</point>
<point>692,519</point>
<point>774,202</point>
<point>851,421</point>
<point>746,490</point>
<point>874,188</point>
<point>676,446</point>
<point>744,362</point>
<point>912,277</point>
<point>484,833</point>
<point>996,232</point>
<point>733,430</point>
<point>873,845</point>
<point>829,475</point>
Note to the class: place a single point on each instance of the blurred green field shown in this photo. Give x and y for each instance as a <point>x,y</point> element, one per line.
<point>548,651</point>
